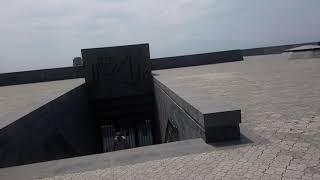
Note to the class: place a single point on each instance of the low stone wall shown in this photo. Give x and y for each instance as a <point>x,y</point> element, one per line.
<point>42,75</point>
<point>60,129</point>
<point>273,49</point>
<point>305,54</point>
<point>157,64</point>
<point>196,59</point>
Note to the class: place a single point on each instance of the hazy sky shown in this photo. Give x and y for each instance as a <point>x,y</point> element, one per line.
<point>37,34</point>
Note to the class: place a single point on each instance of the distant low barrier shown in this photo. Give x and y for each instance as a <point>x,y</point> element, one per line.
<point>157,64</point>
<point>273,49</point>
<point>42,75</point>
<point>197,59</point>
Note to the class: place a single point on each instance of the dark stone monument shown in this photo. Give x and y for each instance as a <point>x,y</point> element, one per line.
<point>120,88</point>
<point>115,72</point>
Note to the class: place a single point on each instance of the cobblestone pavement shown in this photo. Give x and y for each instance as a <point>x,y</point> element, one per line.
<point>280,101</point>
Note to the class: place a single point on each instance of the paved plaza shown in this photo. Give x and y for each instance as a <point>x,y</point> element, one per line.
<point>279,100</point>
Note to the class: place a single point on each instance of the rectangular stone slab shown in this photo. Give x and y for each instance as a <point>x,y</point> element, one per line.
<point>121,71</point>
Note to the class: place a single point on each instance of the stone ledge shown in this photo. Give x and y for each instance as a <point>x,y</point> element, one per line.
<point>218,118</point>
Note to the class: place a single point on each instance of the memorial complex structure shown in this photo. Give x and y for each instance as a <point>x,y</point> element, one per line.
<point>117,113</point>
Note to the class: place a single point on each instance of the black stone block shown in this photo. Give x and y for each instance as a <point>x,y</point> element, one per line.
<point>221,133</point>
<point>223,118</point>
<point>114,72</point>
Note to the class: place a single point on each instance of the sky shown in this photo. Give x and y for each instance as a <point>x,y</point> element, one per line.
<point>38,34</point>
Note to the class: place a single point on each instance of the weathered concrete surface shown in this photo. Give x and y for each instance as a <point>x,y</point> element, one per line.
<point>42,75</point>
<point>196,59</point>
<point>53,125</point>
<point>279,100</point>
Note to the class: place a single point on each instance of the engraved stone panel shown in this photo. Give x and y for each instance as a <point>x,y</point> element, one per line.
<point>115,72</point>
<point>172,133</point>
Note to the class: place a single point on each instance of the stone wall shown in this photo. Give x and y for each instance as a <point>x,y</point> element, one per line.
<point>196,59</point>
<point>157,64</point>
<point>60,129</point>
<point>273,49</point>
<point>42,75</point>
